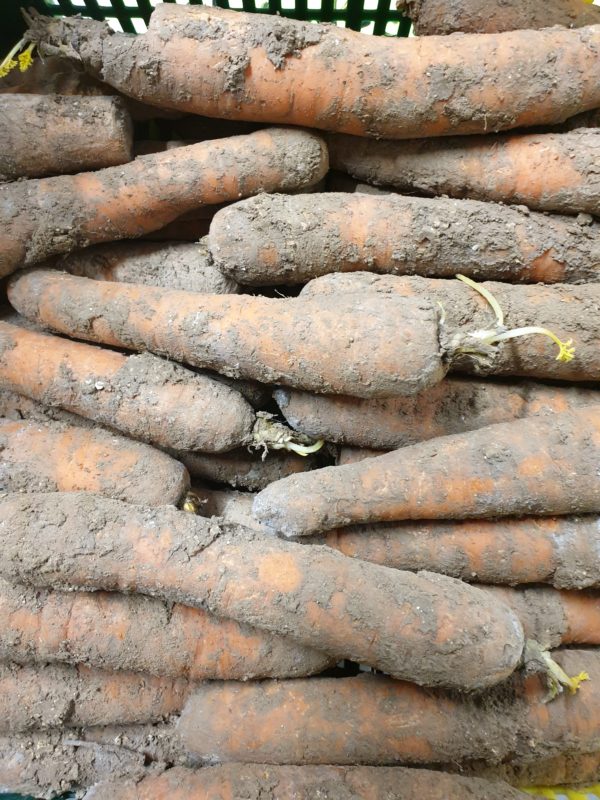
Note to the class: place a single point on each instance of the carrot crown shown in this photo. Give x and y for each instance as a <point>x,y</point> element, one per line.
<point>23,60</point>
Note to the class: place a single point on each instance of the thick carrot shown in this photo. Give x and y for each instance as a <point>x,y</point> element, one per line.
<point>268,69</point>
<point>54,456</point>
<point>426,628</point>
<point>563,770</point>
<point>369,346</point>
<point>267,782</point>
<point>453,406</point>
<point>53,134</point>
<point>50,216</point>
<point>142,396</point>
<point>271,239</point>
<point>562,551</point>
<point>545,171</point>
<point>568,311</point>
<point>175,265</point>
<point>140,634</point>
<point>374,720</point>
<point>441,17</point>
<point>540,465</point>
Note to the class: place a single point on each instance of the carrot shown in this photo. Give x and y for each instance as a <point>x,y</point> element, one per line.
<point>267,69</point>
<point>54,456</point>
<point>141,395</point>
<point>275,239</point>
<point>40,696</point>
<point>469,321</point>
<point>352,455</point>
<point>540,465</point>
<point>233,507</point>
<point>50,216</point>
<point>426,628</point>
<point>587,119</point>
<point>453,406</point>
<point>545,171</point>
<point>175,265</point>
<point>140,634</point>
<point>562,551</point>
<point>375,720</point>
<point>50,135</point>
<point>563,770</point>
<point>440,17</point>
<point>18,407</point>
<point>266,782</point>
<point>273,340</point>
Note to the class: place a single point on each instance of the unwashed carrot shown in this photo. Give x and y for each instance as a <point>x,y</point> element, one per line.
<point>562,551</point>
<point>54,456</point>
<point>570,769</point>
<point>277,239</point>
<point>269,69</point>
<point>50,216</point>
<point>267,782</point>
<point>140,634</point>
<point>441,17</point>
<point>18,407</point>
<point>453,406</point>
<point>539,465</point>
<point>351,455</point>
<point>545,171</point>
<point>53,134</point>
<point>367,346</point>
<point>40,696</point>
<point>374,720</point>
<point>426,628</point>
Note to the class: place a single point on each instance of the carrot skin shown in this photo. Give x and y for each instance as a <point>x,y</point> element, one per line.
<point>50,216</point>
<point>348,346</point>
<point>423,627</point>
<point>265,69</point>
<point>490,472</point>
<point>282,239</point>
<point>53,456</point>
<point>545,171</point>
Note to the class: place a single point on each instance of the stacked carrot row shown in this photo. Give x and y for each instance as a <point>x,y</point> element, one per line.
<point>293,512</point>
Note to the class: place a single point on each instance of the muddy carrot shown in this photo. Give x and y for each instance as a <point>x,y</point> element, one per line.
<point>277,238</point>
<point>233,507</point>
<point>50,216</point>
<point>307,721</point>
<point>562,551</point>
<point>453,406</point>
<point>367,346</point>
<point>267,782</point>
<point>54,456</point>
<point>426,628</point>
<point>268,69</point>
<point>53,134</point>
<point>545,171</point>
<point>562,770</point>
<point>351,455</point>
<point>441,17</point>
<point>539,466</point>
<point>175,265</point>
<point>141,634</point>
<point>18,407</point>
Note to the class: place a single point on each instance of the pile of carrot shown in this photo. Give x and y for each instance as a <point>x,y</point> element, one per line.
<point>300,407</point>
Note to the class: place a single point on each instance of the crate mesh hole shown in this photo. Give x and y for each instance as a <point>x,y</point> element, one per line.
<point>114,24</point>
<point>139,25</point>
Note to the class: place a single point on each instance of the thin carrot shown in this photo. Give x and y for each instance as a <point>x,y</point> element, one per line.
<point>374,720</point>
<point>545,171</point>
<point>540,465</point>
<point>50,216</point>
<point>222,63</point>
<point>387,346</point>
<point>54,456</point>
<point>277,239</point>
<point>441,17</point>
<point>140,634</point>
<point>426,628</point>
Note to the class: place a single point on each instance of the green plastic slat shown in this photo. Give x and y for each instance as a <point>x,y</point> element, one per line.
<point>354,14</point>
<point>381,17</point>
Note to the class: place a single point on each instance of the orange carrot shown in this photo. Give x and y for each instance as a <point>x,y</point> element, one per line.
<point>387,346</point>
<point>351,455</point>
<point>54,456</point>
<point>222,63</point>
<point>540,465</point>
<point>425,628</point>
<point>119,632</point>
<point>374,720</point>
<point>276,239</point>
<point>545,171</point>
<point>562,770</point>
<point>49,216</point>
